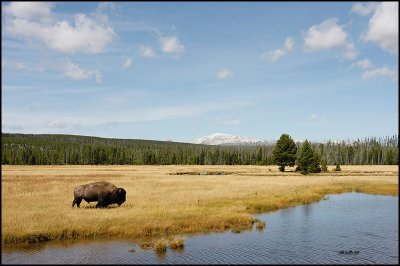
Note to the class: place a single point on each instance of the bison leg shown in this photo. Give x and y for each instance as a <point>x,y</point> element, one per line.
<point>103,201</point>
<point>76,201</point>
<point>100,203</point>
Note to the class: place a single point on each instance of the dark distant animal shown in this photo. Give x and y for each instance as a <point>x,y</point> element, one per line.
<point>103,192</point>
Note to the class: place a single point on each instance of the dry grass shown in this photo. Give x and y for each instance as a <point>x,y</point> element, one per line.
<point>147,244</point>
<point>260,225</point>
<point>176,243</point>
<point>36,200</point>
<point>160,246</point>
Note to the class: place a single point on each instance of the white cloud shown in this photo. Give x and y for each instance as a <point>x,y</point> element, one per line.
<point>325,36</point>
<point>316,117</point>
<point>364,10</point>
<point>275,55</point>
<point>329,35</point>
<point>84,35</point>
<point>147,52</point>
<point>288,45</point>
<point>76,73</point>
<point>33,121</point>
<point>364,64</point>
<point>55,124</point>
<point>128,62</point>
<point>350,53</point>
<point>224,74</point>
<point>171,44</point>
<point>105,6</point>
<point>29,10</point>
<point>234,122</point>
<point>22,66</point>
<point>383,28</point>
<point>98,76</point>
<point>383,71</point>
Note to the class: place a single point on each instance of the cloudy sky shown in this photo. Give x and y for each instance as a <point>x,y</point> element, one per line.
<point>178,71</point>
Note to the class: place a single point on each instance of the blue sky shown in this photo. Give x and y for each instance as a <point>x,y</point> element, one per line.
<point>179,71</point>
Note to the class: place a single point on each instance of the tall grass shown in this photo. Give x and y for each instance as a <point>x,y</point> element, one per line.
<point>176,243</point>
<point>260,225</point>
<point>36,200</point>
<point>160,246</point>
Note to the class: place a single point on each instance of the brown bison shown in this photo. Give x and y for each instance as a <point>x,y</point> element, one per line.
<point>103,192</point>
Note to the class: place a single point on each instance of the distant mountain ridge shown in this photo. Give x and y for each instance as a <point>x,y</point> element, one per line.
<point>223,139</point>
<point>228,140</point>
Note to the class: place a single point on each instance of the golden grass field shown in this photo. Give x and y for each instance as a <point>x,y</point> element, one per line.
<point>36,200</point>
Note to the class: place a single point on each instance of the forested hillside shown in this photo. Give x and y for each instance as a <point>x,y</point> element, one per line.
<point>30,149</point>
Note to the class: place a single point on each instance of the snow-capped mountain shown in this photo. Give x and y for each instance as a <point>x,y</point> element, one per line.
<point>227,139</point>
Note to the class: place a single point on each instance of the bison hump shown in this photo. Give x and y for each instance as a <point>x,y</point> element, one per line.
<point>102,184</point>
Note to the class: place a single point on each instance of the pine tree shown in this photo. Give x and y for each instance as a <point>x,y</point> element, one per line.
<point>315,165</point>
<point>284,153</point>
<point>308,159</point>
<point>324,166</point>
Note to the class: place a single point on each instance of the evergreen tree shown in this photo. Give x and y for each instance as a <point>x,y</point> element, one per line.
<point>308,159</point>
<point>315,165</point>
<point>284,153</point>
<point>22,149</point>
<point>324,166</point>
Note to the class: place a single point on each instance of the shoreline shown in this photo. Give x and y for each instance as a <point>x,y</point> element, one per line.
<point>198,216</point>
<point>11,247</point>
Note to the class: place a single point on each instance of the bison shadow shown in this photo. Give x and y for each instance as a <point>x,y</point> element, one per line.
<point>94,207</point>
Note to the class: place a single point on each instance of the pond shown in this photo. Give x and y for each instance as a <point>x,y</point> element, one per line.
<point>349,228</point>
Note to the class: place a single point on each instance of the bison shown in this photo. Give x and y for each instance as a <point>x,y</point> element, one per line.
<point>103,192</point>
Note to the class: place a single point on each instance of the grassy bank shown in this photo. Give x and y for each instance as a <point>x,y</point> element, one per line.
<point>36,200</point>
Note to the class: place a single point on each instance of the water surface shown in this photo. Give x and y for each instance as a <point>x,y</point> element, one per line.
<point>350,228</point>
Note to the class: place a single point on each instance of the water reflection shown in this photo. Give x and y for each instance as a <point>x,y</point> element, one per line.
<point>347,228</point>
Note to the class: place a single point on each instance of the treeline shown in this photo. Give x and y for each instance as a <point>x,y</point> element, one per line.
<point>22,149</point>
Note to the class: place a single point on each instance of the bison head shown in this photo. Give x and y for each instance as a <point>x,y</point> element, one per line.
<point>118,196</point>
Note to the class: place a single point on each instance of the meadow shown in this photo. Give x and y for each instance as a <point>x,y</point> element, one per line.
<point>163,201</point>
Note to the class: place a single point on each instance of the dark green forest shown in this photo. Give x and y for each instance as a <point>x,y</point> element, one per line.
<point>28,149</point>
